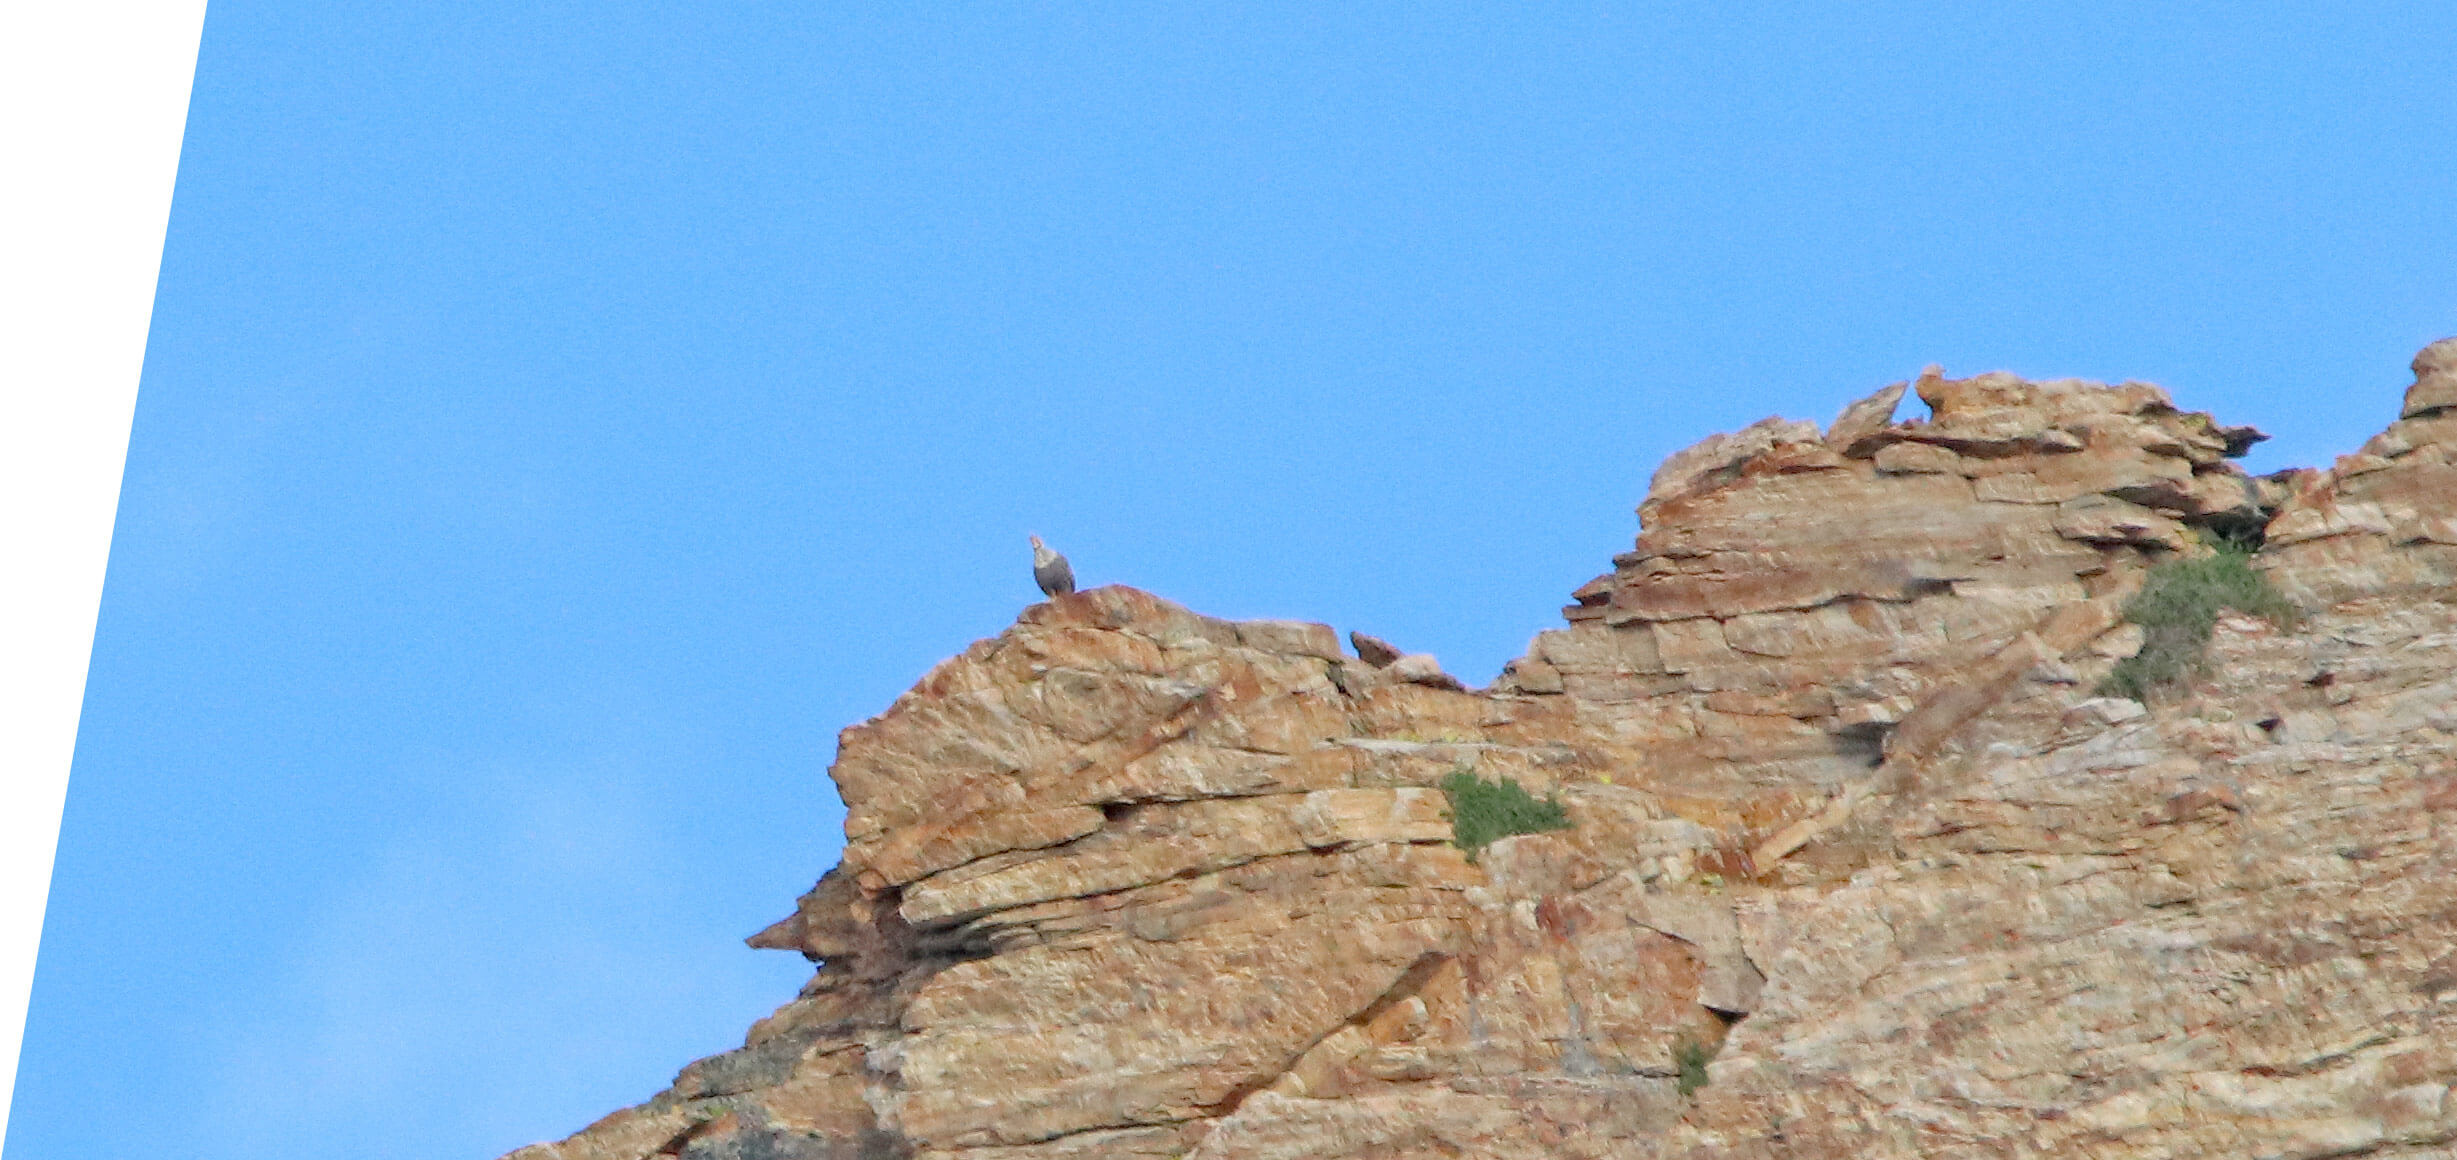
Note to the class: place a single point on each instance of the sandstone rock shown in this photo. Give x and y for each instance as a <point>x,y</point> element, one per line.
<point>2435,380</point>
<point>2107,710</point>
<point>2102,519</point>
<point>1528,675</point>
<point>1290,637</point>
<point>1423,669</point>
<point>1128,881</point>
<point>2120,642</point>
<point>2385,523</point>
<point>1917,459</point>
<point>1373,650</point>
<point>1864,419</point>
<point>1963,532</point>
<point>1713,460</point>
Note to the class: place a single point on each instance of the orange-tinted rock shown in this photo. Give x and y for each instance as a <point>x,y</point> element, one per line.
<point>2382,522</point>
<point>1846,815</point>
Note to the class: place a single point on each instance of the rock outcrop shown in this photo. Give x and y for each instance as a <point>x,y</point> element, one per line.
<point>1128,881</point>
<point>2383,521</point>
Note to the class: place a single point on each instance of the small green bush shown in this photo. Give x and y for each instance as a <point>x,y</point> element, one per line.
<point>2179,605</point>
<point>1689,1065</point>
<point>1482,811</point>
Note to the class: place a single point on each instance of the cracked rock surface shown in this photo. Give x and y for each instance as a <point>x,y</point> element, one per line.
<point>1848,820</point>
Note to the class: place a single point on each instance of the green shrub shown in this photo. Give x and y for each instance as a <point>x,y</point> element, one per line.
<point>2178,606</point>
<point>1482,811</point>
<point>1689,1065</point>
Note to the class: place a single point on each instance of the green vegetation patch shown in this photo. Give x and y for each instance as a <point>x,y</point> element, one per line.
<point>1482,812</point>
<point>1689,1059</point>
<point>2177,608</point>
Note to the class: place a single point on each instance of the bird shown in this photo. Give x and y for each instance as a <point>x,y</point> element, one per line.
<point>1050,570</point>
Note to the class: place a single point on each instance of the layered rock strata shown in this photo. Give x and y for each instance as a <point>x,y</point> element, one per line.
<point>1127,881</point>
<point>1793,596</point>
<point>2383,521</point>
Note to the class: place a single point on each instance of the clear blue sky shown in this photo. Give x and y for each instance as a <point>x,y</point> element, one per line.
<point>560,419</point>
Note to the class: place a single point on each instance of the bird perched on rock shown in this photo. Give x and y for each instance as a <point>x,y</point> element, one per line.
<point>1050,570</point>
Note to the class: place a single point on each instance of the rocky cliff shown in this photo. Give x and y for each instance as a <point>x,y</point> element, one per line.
<point>1859,864</point>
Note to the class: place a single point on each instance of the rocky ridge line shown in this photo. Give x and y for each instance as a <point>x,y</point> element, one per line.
<point>1126,881</point>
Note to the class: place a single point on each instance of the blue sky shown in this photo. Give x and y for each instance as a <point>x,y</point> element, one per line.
<point>560,419</point>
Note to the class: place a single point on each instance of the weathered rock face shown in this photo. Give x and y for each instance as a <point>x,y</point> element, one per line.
<point>1126,881</point>
<point>2383,520</point>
